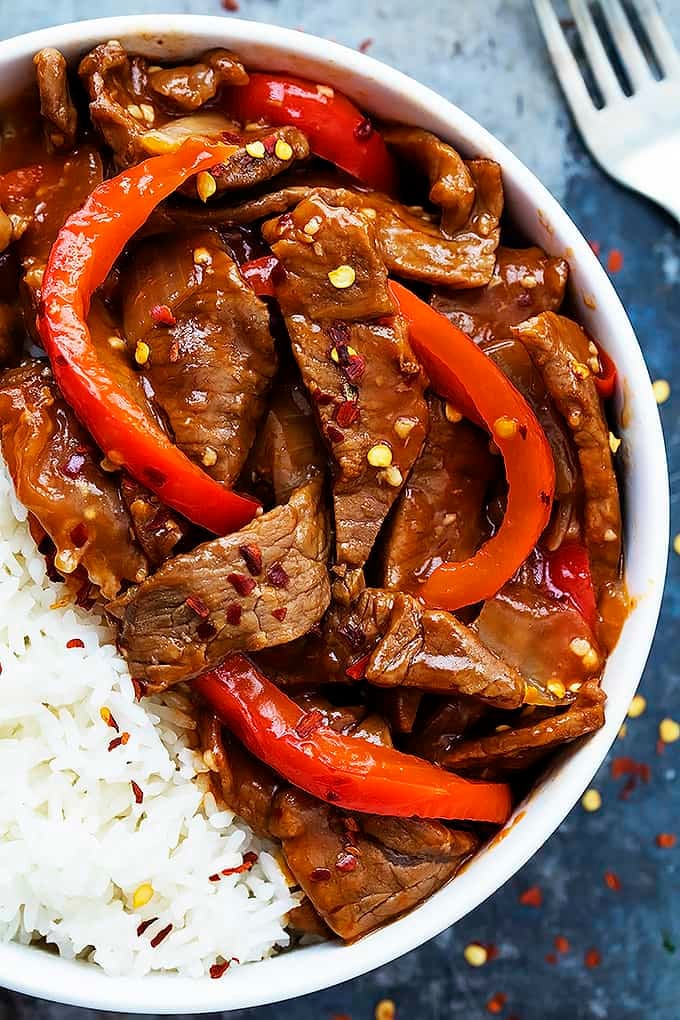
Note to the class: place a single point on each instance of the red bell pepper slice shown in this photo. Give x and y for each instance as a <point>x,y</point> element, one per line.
<point>348,772</point>
<point>336,128</point>
<point>84,252</point>
<point>461,373</point>
<point>567,573</point>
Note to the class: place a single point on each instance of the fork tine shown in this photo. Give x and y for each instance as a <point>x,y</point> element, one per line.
<point>660,38</point>
<point>607,81</point>
<point>628,48</point>
<point>564,62</point>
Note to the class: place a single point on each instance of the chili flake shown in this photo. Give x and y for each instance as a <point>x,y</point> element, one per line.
<point>144,925</point>
<point>218,969</point>
<point>243,584</point>
<point>252,557</point>
<point>137,791</point>
<point>365,45</point>
<point>280,613</point>
<point>162,934</point>
<point>320,875</point>
<point>562,944</point>
<point>75,643</point>
<point>198,606</point>
<point>161,315</point>
<point>233,614</point>
<point>497,1003</point>
<point>593,958</point>
<point>309,723</point>
<point>532,897</point>
<point>612,881</point>
<point>249,858</point>
<point>358,669</point>
<point>139,687</point>
<point>277,576</point>
<point>108,718</point>
<point>666,840</point>
<point>335,434</point>
<point>346,413</point>
<point>615,261</point>
<point>346,862</point>
<point>551,958</point>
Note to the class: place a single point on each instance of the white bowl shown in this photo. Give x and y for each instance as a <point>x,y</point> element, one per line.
<point>387,93</point>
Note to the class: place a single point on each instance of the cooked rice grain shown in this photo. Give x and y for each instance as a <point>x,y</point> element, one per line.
<point>74,844</point>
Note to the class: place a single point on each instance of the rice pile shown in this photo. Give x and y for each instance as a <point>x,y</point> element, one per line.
<point>78,854</point>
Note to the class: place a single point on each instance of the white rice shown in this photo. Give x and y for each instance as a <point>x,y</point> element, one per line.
<point>74,845</point>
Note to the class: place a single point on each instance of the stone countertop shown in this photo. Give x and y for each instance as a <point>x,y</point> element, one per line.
<point>488,57</point>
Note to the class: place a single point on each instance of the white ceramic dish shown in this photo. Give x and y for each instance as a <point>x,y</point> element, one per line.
<point>387,93</point>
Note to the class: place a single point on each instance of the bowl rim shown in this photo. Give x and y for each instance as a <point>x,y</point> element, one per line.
<point>287,976</point>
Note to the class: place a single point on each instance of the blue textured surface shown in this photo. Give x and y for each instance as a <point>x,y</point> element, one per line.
<point>487,56</point>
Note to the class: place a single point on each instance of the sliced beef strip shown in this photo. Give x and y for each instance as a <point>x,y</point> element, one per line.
<point>220,598</point>
<point>142,110</point>
<point>451,184</point>
<point>563,354</point>
<point>439,516</point>
<point>527,741</point>
<point>350,720</point>
<point>355,360</point>
<point>546,640</point>
<point>288,450</point>
<point>211,368</point>
<point>525,282</point>
<point>447,723</point>
<point>56,105</point>
<point>412,245</point>
<point>399,706</point>
<point>426,648</point>
<point>361,871</point>
<point>394,863</point>
<point>57,476</point>
<point>190,86</point>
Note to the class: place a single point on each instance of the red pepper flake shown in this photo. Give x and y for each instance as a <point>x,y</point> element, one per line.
<point>492,951</point>
<point>363,130</point>
<point>252,557</point>
<point>358,669</point>
<point>230,5</point>
<point>138,792</point>
<point>320,875</point>
<point>615,261</point>
<point>660,746</point>
<point>340,333</point>
<point>162,316</point>
<point>593,958</point>
<point>322,398</point>
<point>309,723</point>
<point>612,881</point>
<point>214,878</point>
<point>332,796</point>
<point>73,466</point>
<point>277,576</point>
<point>218,969</point>
<point>365,45</point>
<point>562,944</point>
<point>346,863</point>
<point>523,431</point>
<point>116,742</point>
<point>144,925</point>
<point>270,144</point>
<point>280,613</point>
<point>532,897</point>
<point>196,604</point>
<point>108,718</point>
<point>346,413</point>
<point>551,958</point>
<point>233,614</point>
<point>249,858</point>
<point>124,738</point>
<point>244,585</point>
<point>139,687</point>
<point>666,840</point>
<point>356,367</point>
<point>335,434</point>
<point>595,245</point>
<point>75,642</point>
<point>497,1003</point>
<point>634,770</point>
<point>162,934</point>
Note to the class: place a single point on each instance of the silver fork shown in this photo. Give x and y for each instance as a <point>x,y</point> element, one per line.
<point>634,138</point>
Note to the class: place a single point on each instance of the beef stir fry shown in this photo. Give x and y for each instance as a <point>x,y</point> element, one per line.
<point>282,394</point>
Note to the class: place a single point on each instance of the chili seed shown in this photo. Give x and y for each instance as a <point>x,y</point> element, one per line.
<point>142,895</point>
<point>669,731</point>
<point>637,707</point>
<point>342,277</point>
<point>202,257</point>
<point>505,428</point>
<point>404,426</point>
<point>452,414</point>
<point>283,150</point>
<point>209,457</point>
<point>379,456</point>
<point>393,476</point>
<point>591,800</point>
<point>256,149</point>
<point>206,185</point>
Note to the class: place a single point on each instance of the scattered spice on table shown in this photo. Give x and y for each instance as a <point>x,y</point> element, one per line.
<point>593,958</point>
<point>668,943</point>
<point>496,1004</point>
<point>385,1010</point>
<point>615,261</point>
<point>365,45</point>
<point>562,944</point>
<point>591,800</point>
<point>612,881</point>
<point>532,897</point>
<point>666,840</point>
<point>475,954</point>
